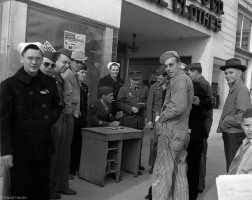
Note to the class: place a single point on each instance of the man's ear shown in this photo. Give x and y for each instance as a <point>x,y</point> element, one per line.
<point>21,58</point>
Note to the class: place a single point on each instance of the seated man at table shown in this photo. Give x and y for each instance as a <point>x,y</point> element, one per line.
<point>100,112</point>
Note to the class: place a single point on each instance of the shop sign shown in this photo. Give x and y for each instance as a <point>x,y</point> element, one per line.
<point>74,41</point>
<point>48,47</point>
<point>196,13</point>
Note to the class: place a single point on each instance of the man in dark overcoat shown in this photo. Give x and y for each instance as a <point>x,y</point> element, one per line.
<point>29,108</point>
<point>114,81</point>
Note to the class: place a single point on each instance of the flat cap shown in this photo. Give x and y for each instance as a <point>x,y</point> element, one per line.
<point>194,66</point>
<point>233,63</point>
<point>160,70</point>
<point>23,46</point>
<point>113,64</point>
<point>167,55</point>
<point>135,75</point>
<point>65,52</point>
<point>105,90</point>
<point>50,55</point>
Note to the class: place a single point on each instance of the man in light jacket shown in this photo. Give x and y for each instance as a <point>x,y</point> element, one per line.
<point>236,103</point>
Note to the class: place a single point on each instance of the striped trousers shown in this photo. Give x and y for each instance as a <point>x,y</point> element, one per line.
<point>169,176</point>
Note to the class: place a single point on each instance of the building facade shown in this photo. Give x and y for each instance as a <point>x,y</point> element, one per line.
<point>206,31</point>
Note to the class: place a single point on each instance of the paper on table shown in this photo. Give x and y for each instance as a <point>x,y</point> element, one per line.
<point>234,187</point>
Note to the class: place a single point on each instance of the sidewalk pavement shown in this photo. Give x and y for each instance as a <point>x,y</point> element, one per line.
<point>130,188</point>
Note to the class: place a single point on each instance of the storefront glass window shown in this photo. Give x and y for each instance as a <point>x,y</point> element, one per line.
<point>238,31</point>
<point>246,33</point>
<point>243,32</point>
<point>45,26</point>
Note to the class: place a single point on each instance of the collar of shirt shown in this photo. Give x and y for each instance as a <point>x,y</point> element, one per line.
<point>235,85</point>
<point>104,104</point>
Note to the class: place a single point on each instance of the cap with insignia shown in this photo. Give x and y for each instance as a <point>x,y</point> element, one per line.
<point>65,52</point>
<point>135,75</point>
<point>105,90</point>
<point>50,55</point>
<point>160,70</point>
<point>169,54</point>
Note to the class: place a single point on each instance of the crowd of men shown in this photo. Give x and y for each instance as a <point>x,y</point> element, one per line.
<point>44,106</point>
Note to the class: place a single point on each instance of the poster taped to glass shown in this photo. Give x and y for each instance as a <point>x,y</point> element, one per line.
<point>74,41</point>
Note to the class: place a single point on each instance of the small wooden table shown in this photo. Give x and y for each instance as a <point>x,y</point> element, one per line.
<point>105,151</point>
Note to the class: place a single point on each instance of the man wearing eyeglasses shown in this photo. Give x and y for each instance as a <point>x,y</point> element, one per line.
<point>48,64</point>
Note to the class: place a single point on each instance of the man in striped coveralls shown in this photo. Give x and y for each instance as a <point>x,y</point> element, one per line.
<point>169,176</point>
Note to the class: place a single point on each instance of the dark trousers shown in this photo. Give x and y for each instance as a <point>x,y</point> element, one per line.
<point>30,179</point>
<point>232,142</point>
<point>76,144</point>
<point>194,152</point>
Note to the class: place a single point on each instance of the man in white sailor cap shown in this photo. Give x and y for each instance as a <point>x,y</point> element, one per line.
<point>114,81</point>
<point>29,107</point>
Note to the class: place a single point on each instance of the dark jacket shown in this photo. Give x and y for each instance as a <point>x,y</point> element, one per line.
<point>198,114</point>
<point>98,116</point>
<point>29,107</point>
<point>129,97</point>
<point>115,85</point>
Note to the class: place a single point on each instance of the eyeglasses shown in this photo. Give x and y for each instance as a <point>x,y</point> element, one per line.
<point>46,64</point>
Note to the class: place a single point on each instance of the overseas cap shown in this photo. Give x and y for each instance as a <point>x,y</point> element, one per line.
<point>113,64</point>
<point>160,70</point>
<point>135,75</point>
<point>105,90</point>
<point>233,63</point>
<point>22,46</point>
<point>65,52</point>
<point>194,66</point>
<point>50,55</point>
<point>167,55</point>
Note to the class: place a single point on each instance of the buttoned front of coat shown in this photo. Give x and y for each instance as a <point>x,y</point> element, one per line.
<point>129,97</point>
<point>29,107</point>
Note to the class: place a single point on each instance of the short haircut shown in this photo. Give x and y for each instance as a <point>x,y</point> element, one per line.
<point>84,67</point>
<point>247,113</point>
<point>31,46</point>
<point>196,69</point>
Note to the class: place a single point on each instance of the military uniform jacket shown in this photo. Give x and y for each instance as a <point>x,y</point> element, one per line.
<point>29,107</point>
<point>129,97</point>
<point>98,116</point>
<point>115,85</point>
<point>155,101</point>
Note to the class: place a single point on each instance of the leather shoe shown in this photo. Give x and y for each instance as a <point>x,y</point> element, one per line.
<point>55,196</point>
<point>141,168</point>
<point>68,192</point>
<point>140,173</point>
